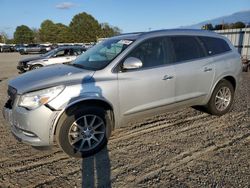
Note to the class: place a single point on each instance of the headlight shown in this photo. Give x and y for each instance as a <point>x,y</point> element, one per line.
<point>35,99</point>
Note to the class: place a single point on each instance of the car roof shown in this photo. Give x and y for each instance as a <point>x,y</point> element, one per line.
<point>69,47</point>
<point>196,32</point>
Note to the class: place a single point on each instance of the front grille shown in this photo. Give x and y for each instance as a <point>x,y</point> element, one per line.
<point>12,92</point>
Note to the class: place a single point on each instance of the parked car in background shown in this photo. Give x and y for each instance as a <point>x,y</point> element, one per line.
<point>56,56</point>
<point>88,45</point>
<point>34,48</point>
<point>121,80</point>
<point>7,48</point>
<point>19,47</point>
<point>245,64</point>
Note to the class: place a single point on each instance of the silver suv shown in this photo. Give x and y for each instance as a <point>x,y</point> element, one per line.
<point>122,79</point>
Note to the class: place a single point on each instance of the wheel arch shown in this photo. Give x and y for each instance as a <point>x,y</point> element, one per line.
<point>85,102</point>
<point>232,80</point>
<point>229,78</point>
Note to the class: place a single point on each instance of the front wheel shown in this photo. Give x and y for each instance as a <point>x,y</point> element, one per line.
<point>33,67</point>
<point>83,132</point>
<point>222,98</point>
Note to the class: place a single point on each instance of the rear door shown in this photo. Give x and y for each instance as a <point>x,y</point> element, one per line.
<point>194,70</point>
<point>149,89</point>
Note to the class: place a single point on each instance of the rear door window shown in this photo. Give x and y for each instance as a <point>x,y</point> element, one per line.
<point>186,48</point>
<point>214,46</point>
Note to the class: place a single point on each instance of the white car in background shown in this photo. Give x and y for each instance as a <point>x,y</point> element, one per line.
<point>59,55</point>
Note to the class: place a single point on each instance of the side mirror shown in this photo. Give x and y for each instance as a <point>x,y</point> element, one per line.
<point>132,63</point>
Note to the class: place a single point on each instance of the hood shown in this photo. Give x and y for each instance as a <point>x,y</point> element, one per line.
<point>32,58</point>
<point>50,76</point>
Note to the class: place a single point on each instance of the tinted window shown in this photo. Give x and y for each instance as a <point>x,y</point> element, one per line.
<point>186,48</point>
<point>62,53</point>
<point>77,51</point>
<point>214,45</point>
<point>150,52</point>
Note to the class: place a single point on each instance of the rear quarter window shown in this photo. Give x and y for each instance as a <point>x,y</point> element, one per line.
<point>214,46</point>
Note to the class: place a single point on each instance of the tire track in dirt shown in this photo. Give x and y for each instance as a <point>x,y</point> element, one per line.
<point>187,157</point>
<point>32,159</point>
<point>42,172</point>
<point>156,120</point>
<point>159,125</point>
<point>38,164</point>
<point>130,166</point>
<point>50,180</point>
<point>164,125</point>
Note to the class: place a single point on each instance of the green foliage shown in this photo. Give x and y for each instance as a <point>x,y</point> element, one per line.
<point>108,31</point>
<point>236,25</point>
<point>10,41</point>
<point>54,33</point>
<point>23,34</point>
<point>1,39</point>
<point>36,35</point>
<point>48,31</point>
<point>84,28</point>
<point>218,27</point>
<point>239,25</point>
<point>208,26</point>
<point>64,34</point>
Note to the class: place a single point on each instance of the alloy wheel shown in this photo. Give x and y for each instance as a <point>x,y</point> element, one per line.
<point>223,99</point>
<point>86,132</point>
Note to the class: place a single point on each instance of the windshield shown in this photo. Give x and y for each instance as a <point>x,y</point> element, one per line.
<point>102,54</point>
<point>48,54</point>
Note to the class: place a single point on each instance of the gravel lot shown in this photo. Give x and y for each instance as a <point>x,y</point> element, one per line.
<point>185,148</point>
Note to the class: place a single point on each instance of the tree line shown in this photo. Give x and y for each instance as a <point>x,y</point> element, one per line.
<point>236,25</point>
<point>83,28</point>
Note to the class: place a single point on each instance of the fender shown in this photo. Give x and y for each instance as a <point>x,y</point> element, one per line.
<point>72,103</point>
<point>40,62</point>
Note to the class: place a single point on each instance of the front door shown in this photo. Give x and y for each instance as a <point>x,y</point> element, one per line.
<point>149,89</point>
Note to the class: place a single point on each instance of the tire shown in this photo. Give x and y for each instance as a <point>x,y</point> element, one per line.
<point>78,141</point>
<point>33,67</point>
<point>222,98</point>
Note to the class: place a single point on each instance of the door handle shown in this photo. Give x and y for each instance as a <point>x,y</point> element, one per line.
<point>166,77</point>
<point>206,69</point>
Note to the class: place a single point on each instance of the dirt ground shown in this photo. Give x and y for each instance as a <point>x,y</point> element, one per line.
<point>185,148</point>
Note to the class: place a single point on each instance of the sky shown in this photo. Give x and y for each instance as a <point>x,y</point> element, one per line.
<point>128,15</point>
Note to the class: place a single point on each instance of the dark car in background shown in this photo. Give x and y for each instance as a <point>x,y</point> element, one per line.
<point>7,48</point>
<point>57,56</point>
<point>34,48</point>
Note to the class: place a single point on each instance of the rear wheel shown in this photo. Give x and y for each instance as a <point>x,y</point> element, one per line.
<point>222,98</point>
<point>84,131</point>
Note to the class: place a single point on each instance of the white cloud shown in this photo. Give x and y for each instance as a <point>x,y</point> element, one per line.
<point>65,5</point>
